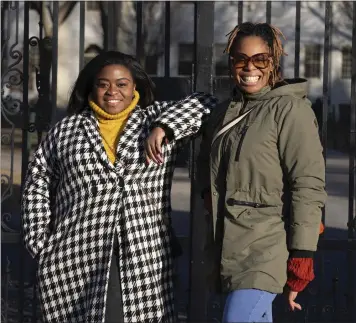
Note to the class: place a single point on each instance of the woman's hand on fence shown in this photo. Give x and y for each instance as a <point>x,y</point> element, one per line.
<point>153,144</point>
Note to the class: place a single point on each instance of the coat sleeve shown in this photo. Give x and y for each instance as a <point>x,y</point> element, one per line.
<point>301,156</point>
<point>184,118</point>
<point>36,207</point>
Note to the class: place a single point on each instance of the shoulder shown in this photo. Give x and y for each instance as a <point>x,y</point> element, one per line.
<point>67,125</point>
<point>292,107</point>
<point>69,122</point>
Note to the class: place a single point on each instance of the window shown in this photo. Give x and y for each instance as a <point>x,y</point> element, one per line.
<point>90,53</point>
<point>93,5</point>
<point>312,60</point>
<point>346,68</point>
<point>186,55</point>
<point>221,61</point>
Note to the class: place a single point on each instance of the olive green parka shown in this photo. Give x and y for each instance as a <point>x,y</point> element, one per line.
<point>267,184</point>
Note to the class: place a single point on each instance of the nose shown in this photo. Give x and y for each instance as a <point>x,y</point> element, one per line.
<point>112,90</point>
<point>249,66</point>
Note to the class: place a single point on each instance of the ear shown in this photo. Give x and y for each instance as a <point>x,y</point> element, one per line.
<point>133,94</point>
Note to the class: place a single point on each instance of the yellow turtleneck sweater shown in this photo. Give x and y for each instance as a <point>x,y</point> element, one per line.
<point>112,125</point>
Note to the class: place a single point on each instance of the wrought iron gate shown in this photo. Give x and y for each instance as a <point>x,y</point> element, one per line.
<point>331,297</point>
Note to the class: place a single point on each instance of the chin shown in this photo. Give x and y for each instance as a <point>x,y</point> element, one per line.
<point>114,110</point>
<point>249,89</point>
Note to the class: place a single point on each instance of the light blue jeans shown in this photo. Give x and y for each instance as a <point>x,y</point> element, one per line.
<point>248,305</point>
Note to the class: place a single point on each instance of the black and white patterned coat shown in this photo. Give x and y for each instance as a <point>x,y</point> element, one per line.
<point>75,198</point>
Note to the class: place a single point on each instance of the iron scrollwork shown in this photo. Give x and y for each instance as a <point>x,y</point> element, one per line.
<point>12,107</point>
<point>11,81</point>
<point>41,109</point>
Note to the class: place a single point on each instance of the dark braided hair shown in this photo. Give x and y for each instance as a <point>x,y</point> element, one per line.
<point>270,34</point>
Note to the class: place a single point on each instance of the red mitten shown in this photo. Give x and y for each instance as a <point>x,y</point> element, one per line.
<point>301,270</point>
<point>322,228</point>
<point>300,273</point>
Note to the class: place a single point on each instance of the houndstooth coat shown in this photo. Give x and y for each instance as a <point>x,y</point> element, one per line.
<point>74,199</point>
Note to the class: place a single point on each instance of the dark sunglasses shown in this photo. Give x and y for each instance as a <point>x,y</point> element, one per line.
<point>260,60</point>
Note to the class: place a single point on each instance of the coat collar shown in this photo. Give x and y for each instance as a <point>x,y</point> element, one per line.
<point>127,144</point>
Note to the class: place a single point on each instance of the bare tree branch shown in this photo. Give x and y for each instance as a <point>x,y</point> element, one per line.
<point>35,5</point>
<point>104,17</point>
<point>337,28</point>
<point>346,8</point>
<point>65,10</point>
<point>47,19</point>
<point>155,43</point>
<point>47,16</point>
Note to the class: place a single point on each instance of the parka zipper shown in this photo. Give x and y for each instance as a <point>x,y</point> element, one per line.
<point>238,151</point>
<point>233,202</point>
<point>243,133</point>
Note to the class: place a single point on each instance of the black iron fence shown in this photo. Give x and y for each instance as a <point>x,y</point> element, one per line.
<point>331,297</point>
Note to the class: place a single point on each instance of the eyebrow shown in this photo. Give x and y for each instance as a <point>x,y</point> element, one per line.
<point>240,53</point>
<point>120,79</point>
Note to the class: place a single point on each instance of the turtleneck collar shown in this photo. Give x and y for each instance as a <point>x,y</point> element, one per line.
<point>103,115</point>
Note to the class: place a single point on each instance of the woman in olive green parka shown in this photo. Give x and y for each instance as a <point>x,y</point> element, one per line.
<point>267,179</point>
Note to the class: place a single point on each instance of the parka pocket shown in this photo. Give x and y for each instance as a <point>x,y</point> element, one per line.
<point>233,202</point>
<point>233,214</point>
<point>253,216</point>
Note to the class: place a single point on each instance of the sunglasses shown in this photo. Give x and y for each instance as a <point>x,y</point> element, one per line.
<point>260,61</point>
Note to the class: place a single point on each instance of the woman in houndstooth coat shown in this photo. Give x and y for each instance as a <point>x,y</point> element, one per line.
<point>96,201</point>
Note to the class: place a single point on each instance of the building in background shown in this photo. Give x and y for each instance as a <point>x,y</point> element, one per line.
<point>182,47</point>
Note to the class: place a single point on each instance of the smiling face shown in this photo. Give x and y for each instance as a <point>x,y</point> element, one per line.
<point>249,78</point>
<point>113,89</point>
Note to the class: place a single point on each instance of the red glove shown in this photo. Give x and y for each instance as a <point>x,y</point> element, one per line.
<point>322,228</point>
<point>301,270</point>
<point>300,273</point>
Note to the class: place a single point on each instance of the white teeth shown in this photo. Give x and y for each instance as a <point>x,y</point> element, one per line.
<point>113,101</point>
<point>250,79</point>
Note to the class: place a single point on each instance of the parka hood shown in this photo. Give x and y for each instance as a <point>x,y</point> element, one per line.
<point>297,88</point>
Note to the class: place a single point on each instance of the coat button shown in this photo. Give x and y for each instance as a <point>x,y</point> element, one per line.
<point>94,190</point>
<point>215,193</point>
